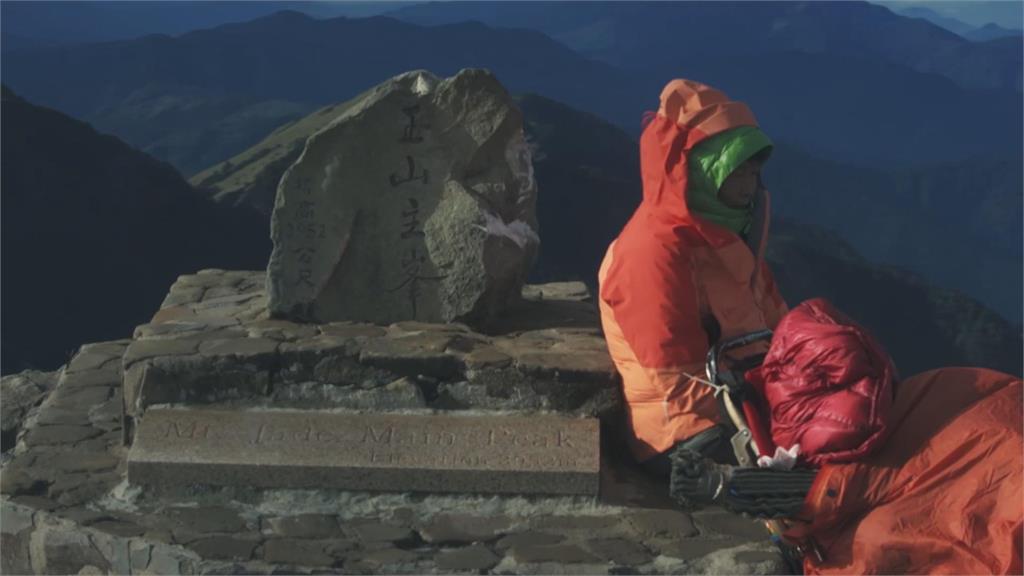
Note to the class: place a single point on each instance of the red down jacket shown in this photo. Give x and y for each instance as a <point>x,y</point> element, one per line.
<point>827,383</point>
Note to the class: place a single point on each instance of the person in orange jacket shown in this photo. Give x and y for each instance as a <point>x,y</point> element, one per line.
<point>688,269</point>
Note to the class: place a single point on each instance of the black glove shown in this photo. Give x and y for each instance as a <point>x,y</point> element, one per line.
<point>762,492</point>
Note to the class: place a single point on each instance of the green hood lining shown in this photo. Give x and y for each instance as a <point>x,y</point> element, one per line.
<point>710,163</point>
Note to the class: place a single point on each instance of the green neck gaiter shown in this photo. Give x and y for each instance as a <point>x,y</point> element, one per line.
<point>710,163</point>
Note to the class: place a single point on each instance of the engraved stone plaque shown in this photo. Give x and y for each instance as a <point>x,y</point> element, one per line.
<point>401,453</point>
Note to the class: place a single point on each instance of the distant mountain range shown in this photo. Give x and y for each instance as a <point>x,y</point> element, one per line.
<point>170,96</point>
<point>30,23</point>
<point>989,31</point>
<point>588,180</point>
<point>676,35</point>
<point>993,32</point>
<point>94,232</point>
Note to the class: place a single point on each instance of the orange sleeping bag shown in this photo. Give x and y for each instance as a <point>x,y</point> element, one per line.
<point>942,495</point>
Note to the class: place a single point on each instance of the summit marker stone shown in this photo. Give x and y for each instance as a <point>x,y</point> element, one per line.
<point>416,203</point>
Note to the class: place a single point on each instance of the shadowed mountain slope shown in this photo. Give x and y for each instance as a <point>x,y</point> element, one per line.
<point>94,232</point>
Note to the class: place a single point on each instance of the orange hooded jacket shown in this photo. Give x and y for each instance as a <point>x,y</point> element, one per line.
<point>670,276</point>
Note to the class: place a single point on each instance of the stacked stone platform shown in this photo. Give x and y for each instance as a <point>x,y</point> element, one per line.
<point>69,507</point>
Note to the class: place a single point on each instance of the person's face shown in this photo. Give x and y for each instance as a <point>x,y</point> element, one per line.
<point>739,188</point>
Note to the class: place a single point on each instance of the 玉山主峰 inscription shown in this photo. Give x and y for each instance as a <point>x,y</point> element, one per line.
<point>414,264</point>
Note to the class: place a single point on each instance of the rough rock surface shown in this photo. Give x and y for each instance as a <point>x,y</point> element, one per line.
<point>67,508</point>
<point>414,203</point>
<point>21,393</point>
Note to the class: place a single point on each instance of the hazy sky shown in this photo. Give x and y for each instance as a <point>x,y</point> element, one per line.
<point>1006,13</point>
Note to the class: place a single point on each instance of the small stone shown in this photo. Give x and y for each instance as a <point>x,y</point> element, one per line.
<point>756,556</point>
<point>86,491</point>
<point>57,550</point>
<point>352,330</point>
<point>299,552</point>
<point>305,526</point>
<point>575,291</point>
<point>388,557</point>
<point>166,559</point>
<point>118,528</point>
<point>560,553</point>
<point>82,461</point>
<point>182,296</point>
<point>323,345</point>
<point>85,516</point>
<point>107,378</point>
<point>403,515</point>
<point>142,349</point>
<point>110,347</point>
<point>224,547</point>
<point>15,533</point>
<point>379,532</point>
<point>15,519</point>
<point>662,523</point>
<point>89,361</point>
<point>456,529</point>
<point>524,539</point>
<point>55,416</point>
<point>412,356</point>
<point>619,551</point>
<point>589,524</point>
<point>487,357</point>
<point>340,549</point>
<point>140,554</point>
<point>241,347</point>
<point>206,519</point>
<point>224,306</point>
<point>21,393</point>
<point>171,313</point>
<point>219,292</point>
<point>575,366</point>
<point>60,434</point>
<point>689,548</point>
<point>16,480</point>
<point>37,502</point>
<point>102,443</point>
<point>413,327</point>
<point>729,524</point>
<point>106,412</point>
<point>280,330</point>
<point>80,398</point>
<point>474,558</point>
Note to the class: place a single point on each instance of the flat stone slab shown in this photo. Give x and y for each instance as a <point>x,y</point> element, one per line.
<point>396,453</point>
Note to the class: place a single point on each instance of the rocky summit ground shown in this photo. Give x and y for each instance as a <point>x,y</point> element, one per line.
<point>67,506</point>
